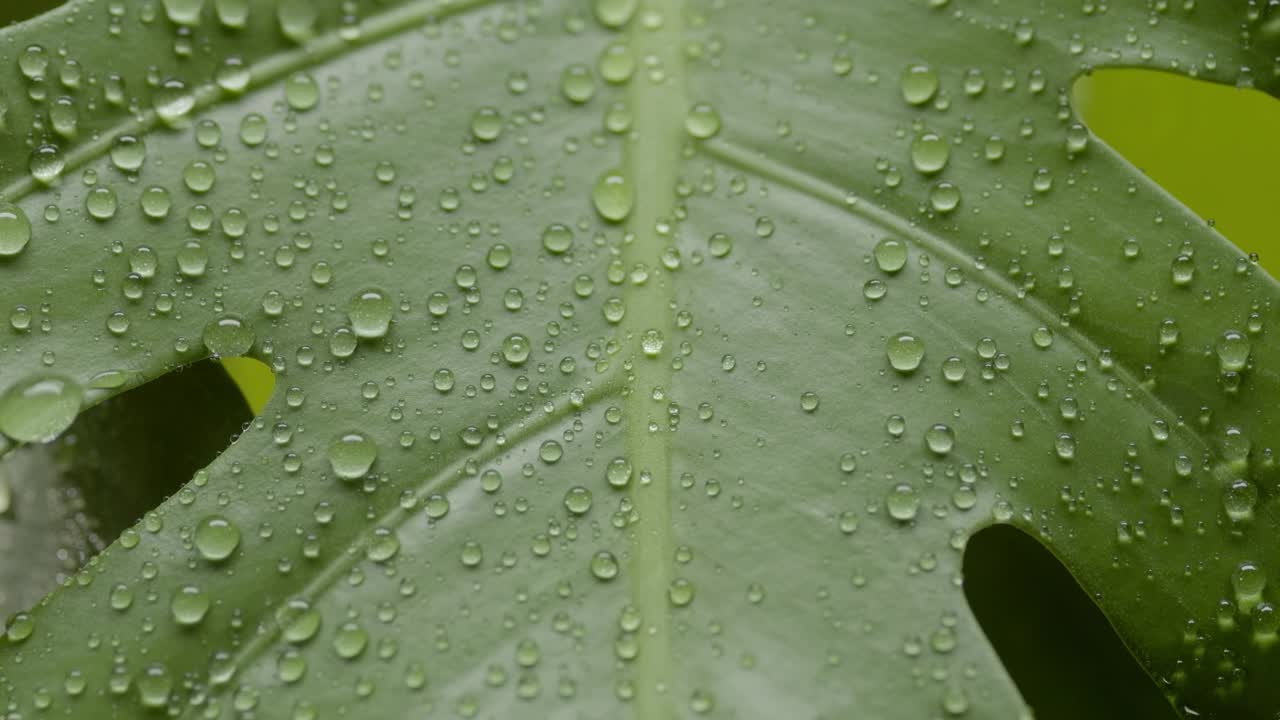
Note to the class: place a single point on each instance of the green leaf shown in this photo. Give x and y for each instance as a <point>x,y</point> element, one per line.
<point>648,358</point>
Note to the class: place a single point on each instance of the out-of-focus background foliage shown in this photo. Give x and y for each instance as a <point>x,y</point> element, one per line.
<point>1216,149</point>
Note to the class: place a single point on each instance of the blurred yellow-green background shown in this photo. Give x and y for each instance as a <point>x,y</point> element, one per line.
<point>1215,147</point>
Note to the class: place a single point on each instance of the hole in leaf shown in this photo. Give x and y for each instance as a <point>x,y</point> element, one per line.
<point>63,502</point>
<point>12,11</point>
<point>1055,643</point>
<point>1212,146</point>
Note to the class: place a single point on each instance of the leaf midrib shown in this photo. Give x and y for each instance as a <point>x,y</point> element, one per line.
<point>652,163</point>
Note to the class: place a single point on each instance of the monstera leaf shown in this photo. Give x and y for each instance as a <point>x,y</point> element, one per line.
<point>648,358</point>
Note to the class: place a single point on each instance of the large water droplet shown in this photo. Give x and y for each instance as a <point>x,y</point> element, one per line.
<point>604,565</point>
<point>516,349</point>
<point>703,121</point>
<point>183,12</point>
<point>1233,351</point>
<point>903,503</point>
<point>1248,581</point>
<point>929,153</point>
<point>614,13</point>
<point>557,238</point>
<point>15,230</point>
<point>228,336</point>
<point>39,408</point>
<point>189,605</point>
<point>905,351</point>
<point>173,102</point>
<point>216,538</point>
<point>613,196</point>
<point>370,314</point>
<point>919,84</point>
<point>890,255</point>
<point>351,455</point>
<point>350,640</point>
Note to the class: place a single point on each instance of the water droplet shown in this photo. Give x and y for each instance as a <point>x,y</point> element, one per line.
<point>1239,499</point>
<point>216,538</point>
<point>1042,337</point>
<point>100,203</point>
<point>298,620</point>
<point>1248,581</point>
<point>154,686</point>
<point>1233,351</point>
<point>616,65</point>
<point>189,605</point>
<point>370,313</point>
<point>680,592</point>
<point>652,342</point>
<point>1077,138</point>
<point>614,13</point>
<point>297,19</point>
<point>953,369</point>
<point>1183,270</point>
<point>557,238</point>
<point>905,351</point>
<point>719,245</point>
<point>577,500</point>
<point>183,12</point>
<point>577,84</point>
<point>550,452</point>
<point>929,153</point>
<point>383,545</point>
<point>902,502</point>
<point>128,153</point>
<point>193,258</point>
<point>516,349</point>
<point>486,124</point>
<point>228,336</point>
<point>173,101</point>
<point>890,255</point>
<point>39,408</point>
<point>20,627</point>
<point>604,565</point>
<point>1065,446</point>
<point>940,439</point>
<point>301,91</point>
<point>613,196</point>
<point>46,164</point>
<point>351,455</point>
<point>350,640</point>
<point>919,84</point>
<point>944,197</point>
<point>703,121</point>
<point>618,472</point>
<point>15,230</point>
<point>809,402</point>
